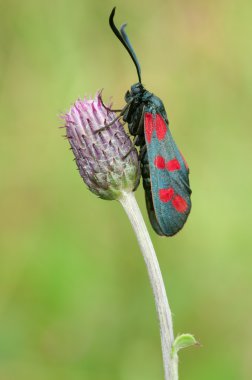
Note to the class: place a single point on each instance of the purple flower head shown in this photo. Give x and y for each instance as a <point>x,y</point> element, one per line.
<point>107,161</point>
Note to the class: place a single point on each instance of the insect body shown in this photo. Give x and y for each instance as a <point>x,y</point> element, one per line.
<point>164,170</point>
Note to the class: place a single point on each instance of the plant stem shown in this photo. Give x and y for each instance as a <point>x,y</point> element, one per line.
<point>131,208</point>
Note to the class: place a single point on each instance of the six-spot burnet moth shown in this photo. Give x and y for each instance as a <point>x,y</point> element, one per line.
<point>164,170</point>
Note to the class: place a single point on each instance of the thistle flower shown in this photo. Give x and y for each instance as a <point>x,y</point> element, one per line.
<point>106,159</point>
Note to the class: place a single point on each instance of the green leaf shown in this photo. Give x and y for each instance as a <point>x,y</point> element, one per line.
<point>183,341</point>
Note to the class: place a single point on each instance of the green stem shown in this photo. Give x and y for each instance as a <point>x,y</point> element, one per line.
<point>131,208</point>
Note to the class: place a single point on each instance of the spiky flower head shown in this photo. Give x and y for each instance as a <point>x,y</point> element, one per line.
<point>106,159</point>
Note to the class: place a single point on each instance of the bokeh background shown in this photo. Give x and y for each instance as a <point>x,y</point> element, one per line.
<point>75,301</point>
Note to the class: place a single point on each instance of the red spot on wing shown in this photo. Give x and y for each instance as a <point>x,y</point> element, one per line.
<point>179,203</point>
<point>161,127</point>
<point>166,195</point>
<point>148,126</point>
<point>173,165</point>
<point>159,162</point>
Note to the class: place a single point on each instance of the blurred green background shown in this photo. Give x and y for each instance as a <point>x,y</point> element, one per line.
<point>75,301</point>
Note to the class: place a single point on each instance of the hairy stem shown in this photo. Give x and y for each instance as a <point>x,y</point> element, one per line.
<point>131,208</point>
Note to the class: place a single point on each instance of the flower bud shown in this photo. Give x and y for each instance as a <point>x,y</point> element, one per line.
<point>106,159</point>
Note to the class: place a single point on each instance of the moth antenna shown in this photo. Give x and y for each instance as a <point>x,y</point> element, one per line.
<point>123,38</point>
<point>127,41</point>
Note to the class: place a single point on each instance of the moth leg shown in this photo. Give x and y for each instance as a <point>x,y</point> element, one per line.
<point>107,108</point>
<point>137,134</point>
<point>139,127</point>
<point>131,149</point>
<point>113,121</point>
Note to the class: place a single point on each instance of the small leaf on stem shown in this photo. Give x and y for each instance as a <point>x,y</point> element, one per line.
<point>183,341</point>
